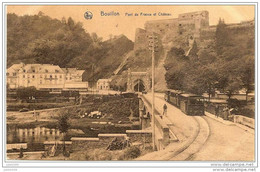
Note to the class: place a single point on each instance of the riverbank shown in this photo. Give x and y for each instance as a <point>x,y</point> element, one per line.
<point>86,155</point>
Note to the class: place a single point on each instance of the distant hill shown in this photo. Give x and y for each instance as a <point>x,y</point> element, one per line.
<point>41,39</point>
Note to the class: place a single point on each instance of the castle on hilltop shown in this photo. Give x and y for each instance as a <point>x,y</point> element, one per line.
<point>188,26</point>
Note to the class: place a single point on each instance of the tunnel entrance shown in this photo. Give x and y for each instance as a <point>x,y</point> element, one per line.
<point>139,86</point>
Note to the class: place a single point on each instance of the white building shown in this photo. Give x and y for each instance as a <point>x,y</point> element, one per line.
<point>73,79</point>
<point>43,77</point>
<point>103,84</point>
<point>12,75</point>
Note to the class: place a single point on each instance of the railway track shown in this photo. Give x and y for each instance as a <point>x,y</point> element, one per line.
<point>195,143</point>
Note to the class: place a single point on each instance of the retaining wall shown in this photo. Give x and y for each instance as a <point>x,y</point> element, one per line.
<point>244,121</point>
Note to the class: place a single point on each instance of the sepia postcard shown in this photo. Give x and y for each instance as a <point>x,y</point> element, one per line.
<point>172,83</point>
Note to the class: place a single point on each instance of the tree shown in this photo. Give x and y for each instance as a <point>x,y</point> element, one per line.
<point>26,93</point>
<point>207,78</point>
<point>63,126</point>
<point>247,75</point>
<point>234,85</point>
<point>222,36</point>
<point>194,51</point>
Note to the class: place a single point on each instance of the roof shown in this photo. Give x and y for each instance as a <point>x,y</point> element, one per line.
<point>190,95</point>
<point>69,70</point>
<point>104,80</point>
<point>15,67</point>
<point>73,71</point>
<point>42,68</point>
<point>218,101</point>
<point>175,91</point>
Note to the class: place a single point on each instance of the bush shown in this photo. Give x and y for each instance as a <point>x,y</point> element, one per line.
<point>234,103</point>
<point>246,112</point>
<point>99,155</point>
<point>130,153</point>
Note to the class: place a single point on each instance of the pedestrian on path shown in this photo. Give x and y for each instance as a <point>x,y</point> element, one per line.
<point>217,110</point>
<point>164,110</point>
<point>226,113</point>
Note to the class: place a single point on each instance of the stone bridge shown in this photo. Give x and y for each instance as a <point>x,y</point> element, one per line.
<point>163,134</point>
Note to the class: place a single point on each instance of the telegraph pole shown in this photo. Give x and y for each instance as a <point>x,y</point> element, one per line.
<point>93,79</point>
<point>152,42</point>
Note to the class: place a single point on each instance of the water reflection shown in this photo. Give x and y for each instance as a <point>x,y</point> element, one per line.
<point>35,137</point>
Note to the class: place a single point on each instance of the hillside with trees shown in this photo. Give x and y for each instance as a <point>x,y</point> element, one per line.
<point>225,64</point>
<point>41,39</point>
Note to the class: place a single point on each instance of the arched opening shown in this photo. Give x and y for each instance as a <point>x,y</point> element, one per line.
<point>139,86</point>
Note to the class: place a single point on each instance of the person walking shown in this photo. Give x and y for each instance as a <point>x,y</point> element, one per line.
<point>217,110</point>
<point>164,110</point>
<point>226,113</point>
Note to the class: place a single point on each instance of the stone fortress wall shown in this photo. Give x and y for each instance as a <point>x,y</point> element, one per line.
<point>188,26</point>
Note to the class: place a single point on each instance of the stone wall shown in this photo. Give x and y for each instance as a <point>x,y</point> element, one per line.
<point>142,136</point>
<point>244,121</point>
<point>106,139</point>
<point>188,24</point>
<point>79,143</point>
<point>49,144</point>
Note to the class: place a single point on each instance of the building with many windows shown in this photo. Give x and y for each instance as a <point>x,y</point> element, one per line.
<point>44,77</point>
<point>103,84</point>
<point>73,79</point>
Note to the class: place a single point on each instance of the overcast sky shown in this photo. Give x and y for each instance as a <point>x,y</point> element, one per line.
<point>116,25</point>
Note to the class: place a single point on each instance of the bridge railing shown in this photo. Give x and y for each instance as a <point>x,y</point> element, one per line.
<point>162,130</point>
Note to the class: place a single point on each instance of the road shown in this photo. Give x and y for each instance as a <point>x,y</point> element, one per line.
<point>202,138</point>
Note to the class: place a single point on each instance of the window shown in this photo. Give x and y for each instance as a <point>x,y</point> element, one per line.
<point>33,70</point>
<point>40,76</point>
<point>46,71</point>
<point>33,76</point>
<point>40,81</point>
<point>23,76</point>
<point>50,76</point>
<point>60,76</point>
<point>179,24</point>
<point>24,70</point>
<point>14,74</point>
<point>55,76</point>
<point>56,71</point>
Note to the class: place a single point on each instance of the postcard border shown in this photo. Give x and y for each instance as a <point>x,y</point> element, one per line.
<point>4,53</point>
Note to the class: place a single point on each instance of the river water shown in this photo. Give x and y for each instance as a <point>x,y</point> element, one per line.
<point>35,137</point>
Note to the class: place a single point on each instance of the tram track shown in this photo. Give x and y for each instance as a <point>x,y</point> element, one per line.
<point>194,145</point>
<point>189,146</point>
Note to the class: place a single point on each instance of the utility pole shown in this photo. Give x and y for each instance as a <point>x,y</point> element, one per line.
<point>152,44</point>
<point>138,85</point>
<point>93,79</point>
